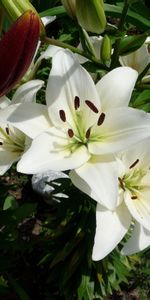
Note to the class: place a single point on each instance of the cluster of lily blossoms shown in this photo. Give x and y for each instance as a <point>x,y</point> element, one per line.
<point>91,131</point>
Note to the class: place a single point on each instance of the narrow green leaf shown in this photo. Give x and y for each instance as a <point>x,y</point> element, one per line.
<point>55,11</point>
<point>115,11</point>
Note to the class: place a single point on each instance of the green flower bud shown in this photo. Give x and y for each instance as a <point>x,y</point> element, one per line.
<point>106,49</point>
<point>91,15</point>
<point>14,9</point>
<point>70,6</point>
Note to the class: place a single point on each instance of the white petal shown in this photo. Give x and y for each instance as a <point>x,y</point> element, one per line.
<point>67,80</point>
<point>7,159</point>
<point>139,240</point>
<point>116,87</point>
<point>48,19</point>
<point>96,43</point>
<point>99,179</point>
<point>31,118</point>
<point>139,208</point>
<point>50,151</point>
<point>4,102</point>
<point>137,60</point>
<point>111,226</point>
<point>146,79</point>
<point>139,152</point>
<point>48,53</point>
<point>122,128</point>
<point>27,92</point>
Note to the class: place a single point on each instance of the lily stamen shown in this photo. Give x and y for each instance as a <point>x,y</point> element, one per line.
<point>88,133</point>
<point>101,119</point>
<point>134,197</point>
<point>62,115</point>
<point>76,102</point>
<point>134,164</point>
<point>7,130</point>
<point>91,106</point>
<point>70,133</point>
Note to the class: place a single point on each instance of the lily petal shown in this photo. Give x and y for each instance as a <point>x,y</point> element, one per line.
<point>139,208</point>
<point>111,226</point>
<point>139,240</point>
<point>6,160</point>
<point>50,151</point>
<point>32,119</point>
<point>116,87</point>
<point>66,81</point>
<point>27,92</point>
<point>138,152</point>
<point>137,60</point>
<point>4,102</point>
<point>99,179</point>
<point>122,127</point>
<point>48,19</point>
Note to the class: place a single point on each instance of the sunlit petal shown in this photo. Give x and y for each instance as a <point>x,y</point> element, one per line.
<point>116,87</point>
<point>111,226</point>
<point>139,240</point>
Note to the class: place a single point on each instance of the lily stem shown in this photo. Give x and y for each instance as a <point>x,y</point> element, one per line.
<point>115,55</point>
<point>58,43</point>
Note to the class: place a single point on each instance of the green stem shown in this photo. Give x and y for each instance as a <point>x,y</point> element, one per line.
<point>143,73</point>
<point>115,55</point>
<point>74,50</point>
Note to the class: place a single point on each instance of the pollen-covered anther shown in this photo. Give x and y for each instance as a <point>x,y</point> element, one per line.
<point>7,130</point>
<point>121,183</point>
<point>101,119</point>
<point>62,115</point>
<point>70,133</point>
<point>91,106</point>
<point>76,102</point>
<point>134,164</point>
<point>88,133</point>
<point>133,197</point>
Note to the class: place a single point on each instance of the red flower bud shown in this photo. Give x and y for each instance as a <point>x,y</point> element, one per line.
<point>17,48</point>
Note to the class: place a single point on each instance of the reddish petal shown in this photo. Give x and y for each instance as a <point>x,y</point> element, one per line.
<point>17,48</point>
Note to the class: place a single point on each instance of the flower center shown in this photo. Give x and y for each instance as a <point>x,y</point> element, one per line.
<point>79,135</point>
<point>11,141</point>
<point>132,180</point>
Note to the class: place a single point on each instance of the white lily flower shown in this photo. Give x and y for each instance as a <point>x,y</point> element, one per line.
<point>85,121</point>
<point>13,142</point>
<point>133,205</point>
<point>79,127</point>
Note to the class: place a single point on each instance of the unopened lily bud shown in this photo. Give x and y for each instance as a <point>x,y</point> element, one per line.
<point>91,15</point>
<point>14,9</point>
<point>106,49</point>
<point>17,48</point>
<point>70,6</point>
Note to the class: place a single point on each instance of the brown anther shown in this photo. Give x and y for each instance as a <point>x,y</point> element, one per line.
<point>62,115</point>
<point>134,164</point>
<point>7,130</point>
<point>121,183</point>
<point>91,106</point>
<point>134,197</point>
<point>76,102</point>
<point>70,133</point>
<point>101,119</point>
<point>1,144</point>
<point>88,133</point>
